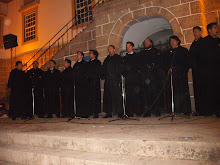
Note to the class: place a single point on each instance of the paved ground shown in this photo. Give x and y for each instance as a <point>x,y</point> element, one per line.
<point>195,129</point>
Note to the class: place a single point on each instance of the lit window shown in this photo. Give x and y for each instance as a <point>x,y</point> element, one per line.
<point>29,26</point>
<point>83,11</point>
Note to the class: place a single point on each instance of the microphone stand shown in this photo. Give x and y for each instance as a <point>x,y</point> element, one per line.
<point>124,116</point>
<point>32,93</point>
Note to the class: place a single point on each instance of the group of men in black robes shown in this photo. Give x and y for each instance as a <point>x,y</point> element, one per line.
<point>205,53</point>
<point>153,82</point>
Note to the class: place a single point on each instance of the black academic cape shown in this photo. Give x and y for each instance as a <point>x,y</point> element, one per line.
<point>194,53</point>
<point>209,75</point>
<point>34,81</point>
<point>52,84</point>
<point>151,81</point>
<point>93,75</point>
<point>112,71</point>
<point>67,84</point>
<point>178,60</point>
<point>81,89</point>
<point>132,84</point>
<point>16,82</point>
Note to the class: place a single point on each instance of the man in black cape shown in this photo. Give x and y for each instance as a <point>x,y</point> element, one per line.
<point>177,58</point>
<point>93,75</point>
<point>209,74</point>
<point>34,80</point>
<point>16,83</point>
<point>132,81</point>
<point>67,80</point>
<point>112,71</point>
<point>151,79</point>
<point>81,87</point>
<point>194,53</point>
<point>52,84</point>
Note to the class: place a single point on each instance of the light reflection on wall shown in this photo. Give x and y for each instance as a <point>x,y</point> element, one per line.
<point>204,21</point>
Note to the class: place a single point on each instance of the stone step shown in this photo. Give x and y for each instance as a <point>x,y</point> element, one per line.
<point>7,163</point>
<point>27,155</point>
<point>191,150</point>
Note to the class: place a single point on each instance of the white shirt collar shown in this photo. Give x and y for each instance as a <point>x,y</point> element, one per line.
<point>148,48</point>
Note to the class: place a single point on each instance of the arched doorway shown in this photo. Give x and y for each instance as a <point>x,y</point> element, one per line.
<point>156,28</point>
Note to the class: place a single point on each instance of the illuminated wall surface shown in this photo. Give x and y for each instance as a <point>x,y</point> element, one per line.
<point>182,15</point>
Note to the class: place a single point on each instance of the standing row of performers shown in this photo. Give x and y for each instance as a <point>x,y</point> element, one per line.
<point>147,78</point>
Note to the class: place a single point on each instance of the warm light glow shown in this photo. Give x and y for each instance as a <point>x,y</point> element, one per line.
<point>204,21</point>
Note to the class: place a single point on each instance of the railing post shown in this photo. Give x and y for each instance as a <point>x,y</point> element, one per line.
<point>49,48</point>
<point>58,47</point>
<point>67,33</point>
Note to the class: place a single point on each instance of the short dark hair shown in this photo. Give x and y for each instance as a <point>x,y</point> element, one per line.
<point>175,38</point>
<point>112,46</point>
<point>197,27</point>
<point>53,62</point>
<point>209,26</point>
<point>131,43</point>
<point>18,62</point>
<point>80,52</point>
<point>149,40</point>
<point>95,52</point>
<point>68,61</point>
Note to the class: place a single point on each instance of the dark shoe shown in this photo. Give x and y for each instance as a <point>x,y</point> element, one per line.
<point>49,116</point>
<point>96,116</point>
<point>130,115</point>
<point>120,115</point>
<point>187,114</point>
<point>13,118</point>
<point>108,116</point>
<point>58,115</point>
<point>23,118</point>
<point>85,117</point>
<point>147,115</point>
<point>217,114</point>
<point>40,116</point>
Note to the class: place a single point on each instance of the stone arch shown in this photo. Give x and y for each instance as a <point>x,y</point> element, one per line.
<point>134,16</point>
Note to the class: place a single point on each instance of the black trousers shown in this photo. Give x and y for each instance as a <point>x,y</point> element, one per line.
<point>17,103</point>
<point>209,93</point>
<point>152,82</point>
<point>196,88</point>
<point>67,102</point>
<point>82,99</point>
<point>94,96</point>
<point>113,97</point>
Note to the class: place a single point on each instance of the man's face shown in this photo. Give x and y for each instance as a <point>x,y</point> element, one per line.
<point>35,65</point>
<point>79,56</point>
<point>66,64</point>
<point>147,43</point>
<point>91,55</point>
<point>197,33</point>
<point>214,31</point>
<point>111,50</point>
<point>51,64</point>
<point>129,48</point>
<point>19,66</point>
<point>174,43</point>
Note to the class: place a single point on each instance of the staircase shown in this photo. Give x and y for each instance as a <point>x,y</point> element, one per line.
<point>64,143</point>
<point>63,37</point>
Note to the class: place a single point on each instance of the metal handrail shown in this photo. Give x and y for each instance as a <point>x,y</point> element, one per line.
<point>63,34</point>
